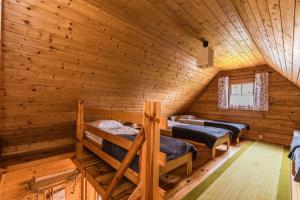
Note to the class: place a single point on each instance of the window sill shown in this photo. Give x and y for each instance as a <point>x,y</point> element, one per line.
<point>239,110</point>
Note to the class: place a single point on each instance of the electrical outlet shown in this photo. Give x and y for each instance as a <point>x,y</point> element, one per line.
<point>260,137</point>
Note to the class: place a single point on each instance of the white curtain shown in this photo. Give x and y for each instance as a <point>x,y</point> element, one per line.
<point>223,87</point>
<point>261,91</point>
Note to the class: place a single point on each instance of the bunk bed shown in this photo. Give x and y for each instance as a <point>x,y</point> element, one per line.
<point>237,129</point>
<point>146,145</point>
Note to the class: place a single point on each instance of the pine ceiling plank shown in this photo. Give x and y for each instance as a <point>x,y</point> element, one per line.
<point>219,30</point>
<point>253,5</point>
<point>237,22</point>
<point>186,18</point>
<point>287,8</point>
<point>274,18</point>
<point>249,19</point>
<point>275,15</point>
<point>215,28</point>
<point>268,28</point>
<point>296,50</point>
<point>232,31</point>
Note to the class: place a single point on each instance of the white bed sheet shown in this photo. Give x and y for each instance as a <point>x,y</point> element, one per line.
<point>118,131</point>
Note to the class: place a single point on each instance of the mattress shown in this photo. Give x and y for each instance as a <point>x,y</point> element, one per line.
<point>199,122</point>
<point>174,148</point>
<point>235,128</point>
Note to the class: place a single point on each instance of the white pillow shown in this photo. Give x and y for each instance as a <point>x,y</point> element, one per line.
<point>107,124</point>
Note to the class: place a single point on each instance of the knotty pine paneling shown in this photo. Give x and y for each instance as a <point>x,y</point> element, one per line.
<point>14,183</point>
<point>243,33</point>
<point>276,125</point>
<point>275,28</point>
<point>55,52</point>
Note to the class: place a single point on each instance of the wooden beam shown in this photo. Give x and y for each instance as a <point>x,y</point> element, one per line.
<point>83,188</point>
<point>150,151</point>
<point>115,139</point>
<point>137,193</point>
<point>79,128</point>
<point>133,117</point>
<point>2,176</point>
<point>130,174</point>
<point>125,163</point>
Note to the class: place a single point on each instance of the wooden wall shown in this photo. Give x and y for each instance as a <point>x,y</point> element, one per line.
<point>55,52</point>
<point>116,54</point>
<point>13,184</point>
<point>276,125</point>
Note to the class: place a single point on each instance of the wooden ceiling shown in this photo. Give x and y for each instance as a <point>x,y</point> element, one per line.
<point>243,33</point>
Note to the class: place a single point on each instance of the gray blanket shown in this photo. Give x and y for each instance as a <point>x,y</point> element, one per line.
<point>235,128</point>
<point>201,134</point>
<point>294,155</point>
<point>174,148</point>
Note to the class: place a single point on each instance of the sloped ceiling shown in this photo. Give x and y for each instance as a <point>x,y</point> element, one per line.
<point>243,33</point>
<point>118,53</point>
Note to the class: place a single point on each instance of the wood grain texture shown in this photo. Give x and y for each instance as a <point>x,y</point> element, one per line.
<point>274,27</point>
<point>55,52</point>
<point>276,125</point>
<point>14,184</point>
<point>122,53</point>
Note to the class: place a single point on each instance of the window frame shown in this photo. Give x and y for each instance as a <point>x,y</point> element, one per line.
<point>230,93</point>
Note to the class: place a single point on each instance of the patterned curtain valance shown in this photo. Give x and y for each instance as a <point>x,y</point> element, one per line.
<point>261,91</point>
<point>223,87</point>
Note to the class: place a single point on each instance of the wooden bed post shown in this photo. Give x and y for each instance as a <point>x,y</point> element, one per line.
<point>189,165</point>
<point>149,175</point>
<point>79,129</point>
<point>2,176</point>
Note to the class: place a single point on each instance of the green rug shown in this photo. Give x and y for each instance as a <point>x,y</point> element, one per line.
<point>259,171</point>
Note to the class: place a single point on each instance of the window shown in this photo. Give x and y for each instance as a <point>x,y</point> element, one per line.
<point>241,95</point>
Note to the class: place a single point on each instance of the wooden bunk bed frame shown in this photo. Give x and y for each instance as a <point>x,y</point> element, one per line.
<point>243,132</point>
<point>220,141</point>
<point>153,163</point>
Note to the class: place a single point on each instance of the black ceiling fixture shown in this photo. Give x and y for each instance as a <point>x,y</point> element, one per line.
<point>205,43</point>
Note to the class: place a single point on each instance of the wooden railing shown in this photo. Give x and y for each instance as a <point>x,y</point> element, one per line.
<point>146,145</point>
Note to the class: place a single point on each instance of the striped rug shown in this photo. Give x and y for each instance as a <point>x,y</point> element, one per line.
<point>259,171</point>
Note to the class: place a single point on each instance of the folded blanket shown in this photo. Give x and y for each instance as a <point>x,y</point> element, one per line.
<point>174,148</point>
